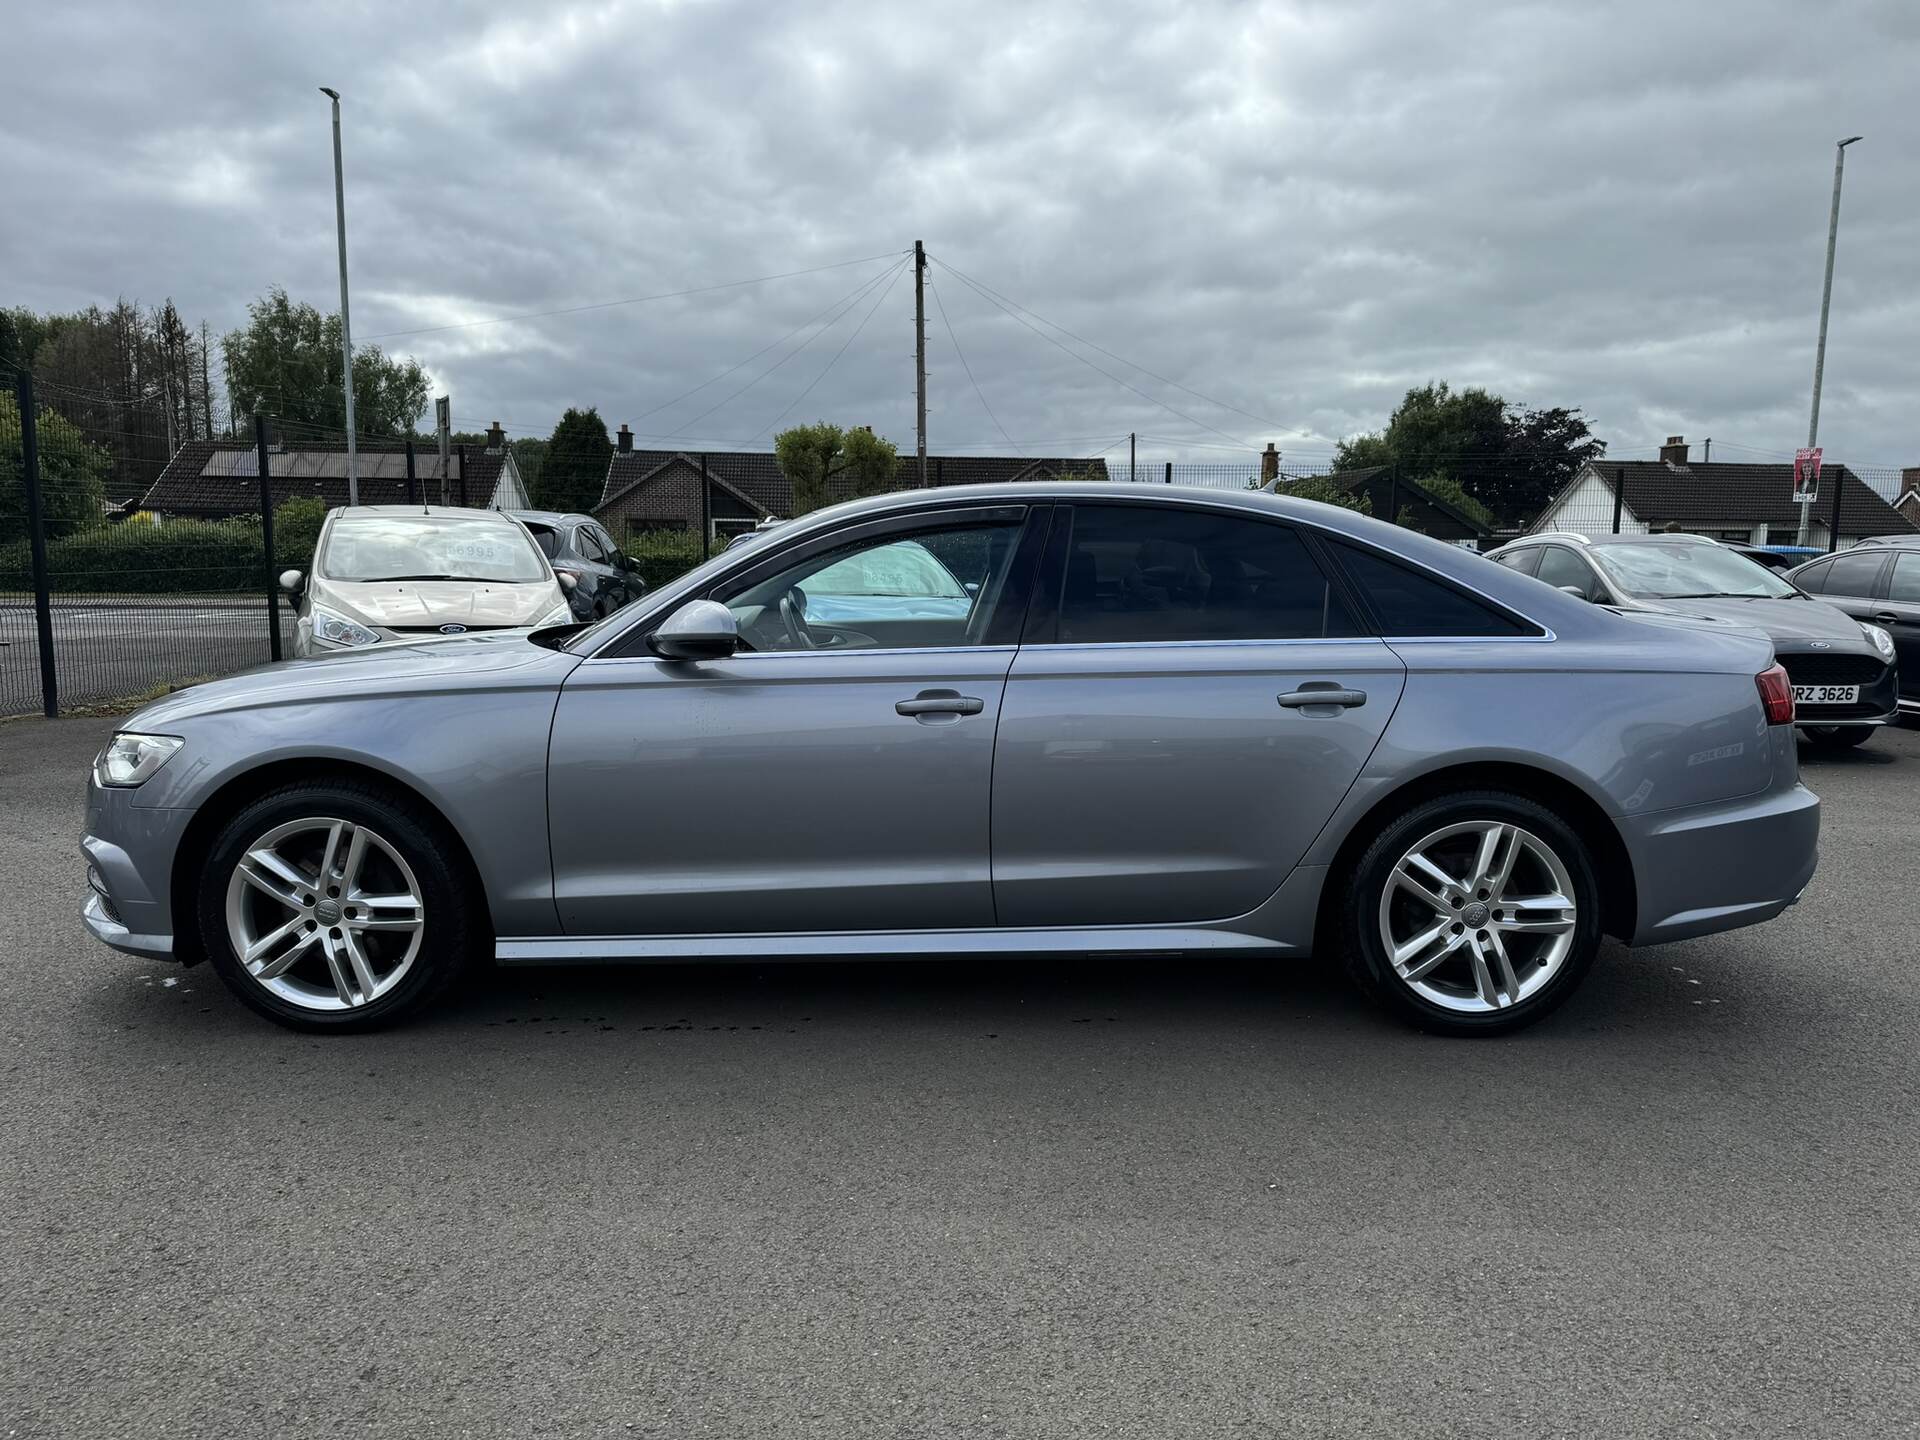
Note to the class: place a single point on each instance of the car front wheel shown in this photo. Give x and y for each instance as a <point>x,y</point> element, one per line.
<point>1472,914</point>
<point>337,906</point>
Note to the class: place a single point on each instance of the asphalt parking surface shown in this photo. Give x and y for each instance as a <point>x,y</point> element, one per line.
<point>1142,1199</point>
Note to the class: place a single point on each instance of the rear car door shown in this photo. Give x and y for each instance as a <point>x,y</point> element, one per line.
<point>1192,698</point>
<point>1899,613</point>
<point>831,776</point>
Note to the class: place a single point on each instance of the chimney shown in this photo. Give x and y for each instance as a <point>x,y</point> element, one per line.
<point>1269,464</point>
<point>626,440</point>
<point>496,437</point>
<point>1674,452</point>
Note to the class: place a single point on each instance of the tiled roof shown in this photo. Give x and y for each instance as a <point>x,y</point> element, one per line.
<point>221,477</point>
<point>756,477</point>
<point>1707,493</point>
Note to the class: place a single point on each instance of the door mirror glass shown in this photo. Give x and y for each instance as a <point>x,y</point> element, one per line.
<point>290,581</point>
<point>698,630</point>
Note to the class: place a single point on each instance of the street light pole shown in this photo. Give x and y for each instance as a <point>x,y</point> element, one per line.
<point>1826,299</point>
<point>346,329</point>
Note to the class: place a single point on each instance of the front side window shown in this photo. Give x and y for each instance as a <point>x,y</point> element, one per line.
<point>929,588</point>
<point>589,545</point>
<point>1687,570</point>
<point>1561,567</point>
<point>1409,603</point>
<point>371,547</point>
<point>1150,573</point>
<point>1906,578</point>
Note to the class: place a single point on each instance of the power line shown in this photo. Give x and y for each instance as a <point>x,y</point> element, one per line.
<point>1015,315</point>
<point>878,301</point>
<point>860,293</point>
<point>634,300</point>
<point>940,305</point>
<point>1134,364</point>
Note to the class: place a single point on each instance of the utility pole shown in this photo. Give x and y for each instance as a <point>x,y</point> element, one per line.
<point>1826,299</point>
<point>920,348</point>
<point>346,329</point>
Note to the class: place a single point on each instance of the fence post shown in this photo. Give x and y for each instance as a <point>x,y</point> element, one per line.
<point>1619,494</point>
<point>463,475</point>
<point>706,512</point>
<point>413,490</point>
<point>939,471</point>
<point>1833,523</point>
<point>1393,495</point>
<point>1133,471</point>
<point>266,535</point>
<point>1169,472</point>
<point>37,535</point>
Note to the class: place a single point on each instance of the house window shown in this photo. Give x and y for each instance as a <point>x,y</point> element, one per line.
<point>1738,537</point>
<point>727,529</point>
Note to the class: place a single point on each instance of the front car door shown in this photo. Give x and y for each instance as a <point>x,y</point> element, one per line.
<point>1162,758</point>
<point>832,776</point>
<point>1899,613</point>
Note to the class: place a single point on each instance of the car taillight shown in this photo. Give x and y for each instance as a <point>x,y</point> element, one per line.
<point>1776,695</point>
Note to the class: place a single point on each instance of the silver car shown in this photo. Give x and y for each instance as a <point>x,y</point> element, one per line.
<point>1167,720</point>
<point>399,572</point>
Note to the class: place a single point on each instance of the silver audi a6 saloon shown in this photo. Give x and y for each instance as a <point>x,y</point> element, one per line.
<point>1139,720</point>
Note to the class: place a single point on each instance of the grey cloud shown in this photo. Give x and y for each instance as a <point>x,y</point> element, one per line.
<point>1298,208</point>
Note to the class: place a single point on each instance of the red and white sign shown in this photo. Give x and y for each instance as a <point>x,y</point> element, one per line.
<point>1806,475</point>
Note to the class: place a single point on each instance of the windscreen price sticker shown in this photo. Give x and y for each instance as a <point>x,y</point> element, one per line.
<point>480,552</point>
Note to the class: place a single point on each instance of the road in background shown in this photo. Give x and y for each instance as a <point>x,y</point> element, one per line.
<point>109,649</point>
<point>1149,1198</point>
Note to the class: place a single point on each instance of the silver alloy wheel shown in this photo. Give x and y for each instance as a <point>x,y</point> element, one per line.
<point>1478,916</point>
<point>324,914</point>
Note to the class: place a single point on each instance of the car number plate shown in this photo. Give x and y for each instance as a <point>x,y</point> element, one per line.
<point>1826,694</point>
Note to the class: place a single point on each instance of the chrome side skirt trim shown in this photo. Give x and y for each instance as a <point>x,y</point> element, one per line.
<point>641,949</point>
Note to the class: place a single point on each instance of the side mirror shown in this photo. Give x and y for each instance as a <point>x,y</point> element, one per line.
<point>1574,590</point>
<point>698,630</point>
<point>291,581</point>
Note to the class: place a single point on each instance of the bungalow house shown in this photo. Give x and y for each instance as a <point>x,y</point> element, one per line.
<point>209,479</point>
<point>1909,502</point>
<point>1748,503</point>
<point>660,489</point>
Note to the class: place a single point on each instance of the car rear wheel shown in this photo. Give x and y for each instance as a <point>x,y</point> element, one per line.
<point>336,907</point>
<point>1837,737</point>
<point>1472,914</point>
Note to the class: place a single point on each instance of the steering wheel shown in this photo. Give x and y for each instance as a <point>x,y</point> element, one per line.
<point>793,611</point>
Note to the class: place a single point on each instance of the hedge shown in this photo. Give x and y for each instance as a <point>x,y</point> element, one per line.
<point>174,557</point>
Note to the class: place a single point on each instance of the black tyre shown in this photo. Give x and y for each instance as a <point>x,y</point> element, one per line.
<point>338,906</point>
<point>1837,737</point>
<point>1471,914</point>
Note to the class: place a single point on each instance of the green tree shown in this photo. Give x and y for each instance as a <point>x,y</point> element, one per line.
<point>286,361</point>
<point>813,457</point>
<point>73,474</point>
<point>1470,443</point>
<point>574,470</point>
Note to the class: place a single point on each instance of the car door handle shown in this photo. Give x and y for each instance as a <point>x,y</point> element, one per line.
<point>1885,618</point>
<point>1311,695</point>
<point>940,702</point>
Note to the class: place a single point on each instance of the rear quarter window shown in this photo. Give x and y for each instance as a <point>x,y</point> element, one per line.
<point>1408,602</point>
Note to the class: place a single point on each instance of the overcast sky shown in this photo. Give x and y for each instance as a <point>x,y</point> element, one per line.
<point>1294,209</point>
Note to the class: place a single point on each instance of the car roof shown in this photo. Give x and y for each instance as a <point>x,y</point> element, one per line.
<point>546,517</point>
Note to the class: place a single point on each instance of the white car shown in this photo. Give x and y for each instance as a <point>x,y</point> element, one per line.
<point>407,572</point>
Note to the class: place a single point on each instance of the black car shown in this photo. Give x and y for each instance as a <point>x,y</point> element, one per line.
<point>1845,681</point>
<point>604,578</point>
<point>1879,585</point>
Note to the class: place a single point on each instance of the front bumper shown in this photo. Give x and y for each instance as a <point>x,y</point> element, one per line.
<point>129,853</point>
<point>1705,868</point>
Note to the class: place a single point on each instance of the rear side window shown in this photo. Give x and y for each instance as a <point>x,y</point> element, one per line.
<point>1151,573</point>
<point>546,539</point>
<point>1854,574</point>
<point>1813,579</point>
<point>1522,560</point>
<point>1407,602</point>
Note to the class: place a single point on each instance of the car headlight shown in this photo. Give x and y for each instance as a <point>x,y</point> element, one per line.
<point>1882,641</point>
<point>332,629</point>
<point>561,614</point>
<point>131,759</point>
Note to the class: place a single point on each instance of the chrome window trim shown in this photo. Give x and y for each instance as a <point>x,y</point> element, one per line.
<point>808,654</point>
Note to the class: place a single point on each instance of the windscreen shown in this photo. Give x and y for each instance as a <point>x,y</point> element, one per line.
<point>1687,571</point>
<point>429,547</point>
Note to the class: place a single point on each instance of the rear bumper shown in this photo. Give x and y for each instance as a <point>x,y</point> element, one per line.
<point>1717,867</point>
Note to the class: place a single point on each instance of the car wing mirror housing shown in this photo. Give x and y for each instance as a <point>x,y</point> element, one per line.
<point>698,630</point>
<point>292,581</point>
<point>1575,591</point>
